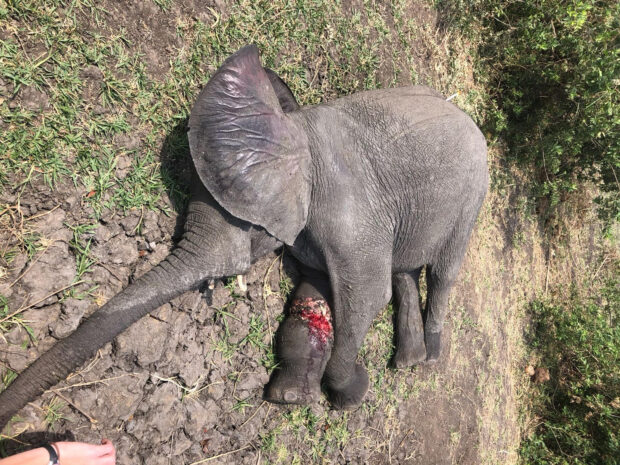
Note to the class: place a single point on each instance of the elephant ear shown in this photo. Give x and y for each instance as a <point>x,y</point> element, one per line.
<point>284,94</point>
<point>253,158</point>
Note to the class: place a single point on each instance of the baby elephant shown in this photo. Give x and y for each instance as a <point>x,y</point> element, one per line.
<point>364,191</point>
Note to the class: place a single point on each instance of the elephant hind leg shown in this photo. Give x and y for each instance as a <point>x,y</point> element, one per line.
<point>303,344</point>
<point>440,278</point>
<point>439,284</point>
<point>409,330</point>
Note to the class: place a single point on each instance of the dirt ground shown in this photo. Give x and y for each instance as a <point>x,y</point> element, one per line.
<point>186,383</point>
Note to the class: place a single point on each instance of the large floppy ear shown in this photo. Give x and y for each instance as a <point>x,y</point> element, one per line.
<point>284,94</point>
<point>253,158</point>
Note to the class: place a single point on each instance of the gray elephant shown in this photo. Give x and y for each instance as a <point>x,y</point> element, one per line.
<point>363,191</point>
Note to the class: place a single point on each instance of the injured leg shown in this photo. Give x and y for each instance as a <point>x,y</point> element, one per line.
<point>303,345</point>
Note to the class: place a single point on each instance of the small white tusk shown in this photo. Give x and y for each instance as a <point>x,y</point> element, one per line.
<point>452,96</point>
<point>211,284</point>
<point>241,283</point>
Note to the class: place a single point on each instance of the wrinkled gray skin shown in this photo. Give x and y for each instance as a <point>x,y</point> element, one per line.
<point>364,191</point>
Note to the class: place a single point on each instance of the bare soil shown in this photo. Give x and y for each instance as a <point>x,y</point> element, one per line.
<point>167,391</point>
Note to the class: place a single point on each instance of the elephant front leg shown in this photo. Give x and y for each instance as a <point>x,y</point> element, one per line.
<point>357,300</point>
<point>303,345</point>
<point>410,348</point>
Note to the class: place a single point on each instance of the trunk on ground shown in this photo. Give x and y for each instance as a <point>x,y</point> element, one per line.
<point>189,264</point>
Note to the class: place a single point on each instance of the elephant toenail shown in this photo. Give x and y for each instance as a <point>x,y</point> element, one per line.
<point>290,396</point>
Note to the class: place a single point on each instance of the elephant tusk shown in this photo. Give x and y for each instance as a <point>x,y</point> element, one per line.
<point>243,287</point>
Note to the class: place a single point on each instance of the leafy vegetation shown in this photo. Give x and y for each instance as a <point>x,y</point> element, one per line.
<point>579,408</point>
<point>551,69</point>
<point>81,248</point>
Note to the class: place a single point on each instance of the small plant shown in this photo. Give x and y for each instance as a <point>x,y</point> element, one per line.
<point>302,416</point>
<point>223,343</point>
<point>9,319</point>
<point>232,286</point>
<point>7,378</point>
<point>286,287</point>
<point>163,4</point>
<point>256,333</point>
<point>463,320</point>
<point>225,347</point>
<point>32,244</point>
<point>269,441</point>
<point>241,405</point>
<point>337,431</point>
<point>53,412</point>
<point>80,244</point>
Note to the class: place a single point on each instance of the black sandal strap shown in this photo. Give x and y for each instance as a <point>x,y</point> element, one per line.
<point>53,454</point>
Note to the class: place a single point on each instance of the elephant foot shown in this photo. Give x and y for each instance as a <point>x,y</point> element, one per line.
<point>433,347</point>
<point>351,395</point>
<point>410,352</point>
<point>285,388</point>
<point>303,347</point>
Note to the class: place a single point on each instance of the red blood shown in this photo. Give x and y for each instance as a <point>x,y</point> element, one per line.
<point>318,324</point>
<point>316,313</point>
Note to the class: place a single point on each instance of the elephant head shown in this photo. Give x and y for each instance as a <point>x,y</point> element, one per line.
<point>250,194</point>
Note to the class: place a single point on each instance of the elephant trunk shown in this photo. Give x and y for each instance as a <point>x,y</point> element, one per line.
<point>189,264</point>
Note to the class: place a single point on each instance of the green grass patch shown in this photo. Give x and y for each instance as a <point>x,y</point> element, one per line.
<point>578,409</point>
<point>92,87</point>
<point>80,244</point>
<point>321,435</point>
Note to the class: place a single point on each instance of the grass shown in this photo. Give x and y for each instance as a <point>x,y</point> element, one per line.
<point>73,135</point>
<point>286,287</point>
<point>241,405</point>
<point>9,320</point>
<point>80,244</point>
<point>223,343</point>
<point>257,329</point>
<point>7,377</point>
<point>320,434</point>
<point>17,237</point>
<point>53,412</point>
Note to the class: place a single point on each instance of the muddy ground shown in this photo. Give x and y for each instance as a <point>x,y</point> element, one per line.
<point>185,384</point>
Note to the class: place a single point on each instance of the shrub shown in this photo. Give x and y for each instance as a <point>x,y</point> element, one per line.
<point>579,407</point>
<point>553,72</point>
